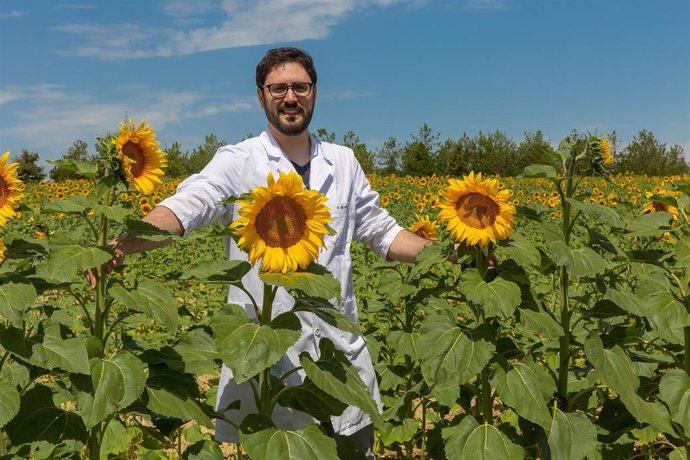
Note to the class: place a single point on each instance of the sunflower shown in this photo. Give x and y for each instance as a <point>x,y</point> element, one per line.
<point>424,228</point>
<point>658,206</point>
<point>141,159</point>
<point>11,188</point>
<point>477,211</point>
<point>3,248</point>
<point>283,224</point>
<point>601,154</point>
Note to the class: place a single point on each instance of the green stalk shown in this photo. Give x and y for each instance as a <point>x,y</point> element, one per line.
<point>265,388</point>
<point>564,341</point>
<point>686,331</point>
<point>486,399</point>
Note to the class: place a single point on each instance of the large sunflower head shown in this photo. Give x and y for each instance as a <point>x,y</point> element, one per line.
<point>477,211</point>
<point>11,188</point>
<point>424,228</point>
<point>141,159</point>
<point>283,224</point>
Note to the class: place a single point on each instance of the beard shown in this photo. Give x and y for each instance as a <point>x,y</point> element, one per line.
<point>295,124</point>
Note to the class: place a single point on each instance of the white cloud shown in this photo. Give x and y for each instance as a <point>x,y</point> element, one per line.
<point>242,23</point>
<point>14,14</point>
<point>59,115</point>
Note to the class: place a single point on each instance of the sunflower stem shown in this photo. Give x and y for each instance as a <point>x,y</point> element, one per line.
<point>265,387</point>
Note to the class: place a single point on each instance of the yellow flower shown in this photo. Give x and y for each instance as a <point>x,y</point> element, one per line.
<point>424,228</point>
<point>283,224</point>
<point>477,211</point>
<point>11,188</point>
<point>658,206</point>
<point>142,160</point>
<point>605,147</point>
<point>3,248</point>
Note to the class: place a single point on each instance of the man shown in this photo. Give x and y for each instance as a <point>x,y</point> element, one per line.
<point>286,89</point>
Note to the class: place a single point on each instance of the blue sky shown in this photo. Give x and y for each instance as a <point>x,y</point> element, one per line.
<point>74,70</point>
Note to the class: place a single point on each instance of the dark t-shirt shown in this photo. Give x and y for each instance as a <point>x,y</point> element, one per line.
<point>303,171</point>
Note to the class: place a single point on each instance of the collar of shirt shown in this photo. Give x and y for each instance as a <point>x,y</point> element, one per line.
<point>321,160</point>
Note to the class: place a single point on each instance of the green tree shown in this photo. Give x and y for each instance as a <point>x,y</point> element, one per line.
<point>389,157</point>
<point>364,157</point>
<point>646,155</point>
<point>201,155</point>
<point>178,161</point>
<point>28,169</point>
<point>498,154</point>
<point>419,153</point>
<point>534,149</point>
<point>79,151</point>
<point>457,157</point>
<point>324,135</point>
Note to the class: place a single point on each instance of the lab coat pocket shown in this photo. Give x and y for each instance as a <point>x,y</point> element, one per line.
<point>340,213</point>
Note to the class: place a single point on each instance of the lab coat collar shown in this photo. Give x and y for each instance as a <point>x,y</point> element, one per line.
<point>321,160</point>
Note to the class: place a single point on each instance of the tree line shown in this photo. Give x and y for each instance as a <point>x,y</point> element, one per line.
<point>423,154</point>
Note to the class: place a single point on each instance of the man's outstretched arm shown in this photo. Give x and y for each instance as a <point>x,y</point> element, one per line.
<point>406,247</point>
<point>161,217</point>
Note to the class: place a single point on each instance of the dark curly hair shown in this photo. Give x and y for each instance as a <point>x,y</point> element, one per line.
<point>277,56</point>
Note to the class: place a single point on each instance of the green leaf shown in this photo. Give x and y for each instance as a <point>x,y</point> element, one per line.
<point>537,170</point>
<point>468,439</point>
<point>116,382</point>
<point>248,348</point>
<point>147,231</point>
<point>116,439</point>
<point>571,436</point>
<point>519,388</point>
<point>152,299</point>
<point>449,357</point>
<point>580,263</point>
<point>203,450</point>
<point>399,432</point>
<point>326,312</point>
<point>73,205</point>
<point>654,223</point>
<point>114,213</point>
<point>220,271</point>
<point>262,440</point>
<point>626,301</point>
<point>39,420</point>
<point>602,214</point>
<point>14,298</point>
<point>539,322</point>
<point>198,351</point>
<point>499,297</point>
<point>316,281</point>
<point>683,253</point>
<point>182,406</point>
<point>618,372</point>
<point>521,250</point>
<point>67,354</point>
<point>66,261</point>
<point>403,343</point>
<point>9,403</point>
<point>312,400</point>
<point>668,315</point>
<point>674,389</point>
<point>335,375</point>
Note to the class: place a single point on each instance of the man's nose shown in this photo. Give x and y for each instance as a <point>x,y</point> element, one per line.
<point>290,95</point>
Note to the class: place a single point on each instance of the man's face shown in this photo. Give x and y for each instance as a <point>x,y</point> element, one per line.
<point>291,114</point>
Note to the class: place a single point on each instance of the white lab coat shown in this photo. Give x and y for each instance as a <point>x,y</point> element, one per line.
<point>236,169</point>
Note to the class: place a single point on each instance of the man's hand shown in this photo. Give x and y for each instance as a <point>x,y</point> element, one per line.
<point>116,261</point>
<point>162,218</point>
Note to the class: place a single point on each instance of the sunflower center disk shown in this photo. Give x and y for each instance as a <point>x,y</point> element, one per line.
<point>4,190</point>
<point>281,222</point>
<point>134,153</point>
<point>477,210</point>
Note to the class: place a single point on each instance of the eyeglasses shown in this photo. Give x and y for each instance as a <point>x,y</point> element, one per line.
<point>279,90</point>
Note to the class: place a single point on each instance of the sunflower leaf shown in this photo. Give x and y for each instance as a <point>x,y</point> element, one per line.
<point>315,281</point>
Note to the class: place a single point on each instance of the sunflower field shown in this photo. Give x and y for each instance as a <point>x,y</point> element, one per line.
<point>549,319</point>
